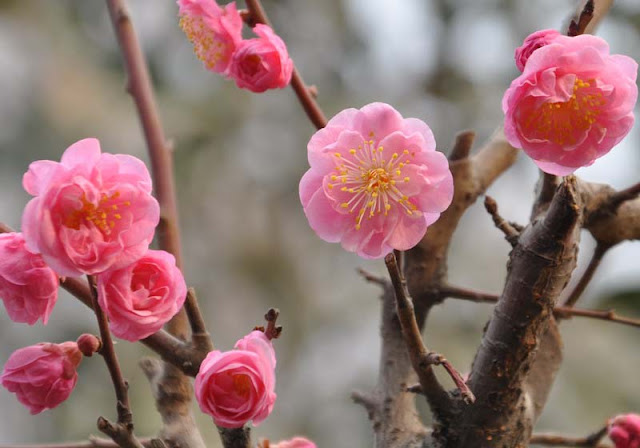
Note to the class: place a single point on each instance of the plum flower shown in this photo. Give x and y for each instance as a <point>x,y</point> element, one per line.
<point>262,63</point>
<point>215,32</point>
<point>91,211</point>
<point>572,104</point>
<point>624,431</point>
<point>532,43</point>
<point>143,296</point>
<point>43,375</point>
<point>237,386</point>
<point>28,287</point>
<point>376,181</point>
<point>296,442</point>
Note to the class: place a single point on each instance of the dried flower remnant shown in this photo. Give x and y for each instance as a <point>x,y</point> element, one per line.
<point>376,181</point>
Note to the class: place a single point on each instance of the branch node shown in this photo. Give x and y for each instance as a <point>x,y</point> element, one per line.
<point>511,234</point>
<point>462,146</point>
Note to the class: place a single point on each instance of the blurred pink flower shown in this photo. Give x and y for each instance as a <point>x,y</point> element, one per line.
<point>43,375</point>
<point>237,386</point>
<point>141,297</point>
<point>532,43</point>
<point>624,431</point>
<point>28,287</point>
<point>572,104</point>
<point>376,181</point>
<point>91,212</point>
<point>262,63</point>
<point>296,442</point>
<point>215,32</point>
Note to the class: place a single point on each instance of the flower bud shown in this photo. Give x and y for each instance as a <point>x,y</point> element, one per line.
<point>624,431</point>
<point>89,344</point>
<point>531,44</point>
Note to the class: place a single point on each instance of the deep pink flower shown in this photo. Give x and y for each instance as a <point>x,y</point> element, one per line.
<point>215,32</point>
<point>262,63</point>
<point>532,43</point>
<point>91,212</point>
<point>28,287</point>
<point>141,297</point>
<point>624,430</point>
<point>376,181</point>
<point>43,375</point>
<point>572,104</point>
<point>296,442</point>
<point>237,386</point>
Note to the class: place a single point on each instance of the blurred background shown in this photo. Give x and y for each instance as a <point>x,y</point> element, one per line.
<point>239,157</point>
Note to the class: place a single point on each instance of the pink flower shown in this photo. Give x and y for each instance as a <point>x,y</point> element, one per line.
<point>28,287</point>
<point>296,442</point>
<point>624,430</point>
<point>215,32</point>
<point>262,63</point>
<point>532,43</point>
<point>237,386</point>
<point>141,297</point>
<point>91,211</point>
<point>376,181</point>
<point>43,375</point>
<point>572,104</point>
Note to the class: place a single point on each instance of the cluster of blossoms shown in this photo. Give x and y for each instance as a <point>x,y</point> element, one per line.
<point>257,64</point>
<point>572,103</point>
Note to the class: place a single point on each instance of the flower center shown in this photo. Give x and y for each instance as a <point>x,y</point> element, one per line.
<point>371,182</point>
<point>242,385</point>
<point>104,215</point>
<point>208,47</point>
<point>563,122</point>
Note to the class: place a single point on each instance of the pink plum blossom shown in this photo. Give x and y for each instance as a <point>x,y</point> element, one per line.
<point>28,287</point>
<point>296,442</point>
<point>237,386</point>
<point>43,375</point>
<point>624,431</point>
<point>572,104</point>
<point>215,32</point>
<point>376,181</point>
<point>532,43</point>
<point>141,297</point>
<point>262,63</point>
<point>92,211</point>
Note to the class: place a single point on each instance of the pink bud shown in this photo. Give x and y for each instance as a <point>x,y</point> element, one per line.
<point>262,63</point>
<point>296,442</point>
<point>28,287</point>
<point>43,375</point>
<point>140,298</point>
<point>624,431</point>
<point>237,386</point>
<point>89,344</point>
<point>532,43</point>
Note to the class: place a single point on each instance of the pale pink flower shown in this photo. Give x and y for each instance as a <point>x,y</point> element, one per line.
<point>296,442</point>
<point>532,43</point>
<point>141,297</point>
<point>28,287</point>
<point>624,431</point>
<point>237,386</point>
<point>43,375</point>
<point>215,32</point>
<point>262,63</point>
<point>376,181</point>
<point>572,104</point>
<point>91,212</point>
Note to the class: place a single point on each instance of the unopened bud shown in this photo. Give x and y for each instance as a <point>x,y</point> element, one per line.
<point>89,344</point>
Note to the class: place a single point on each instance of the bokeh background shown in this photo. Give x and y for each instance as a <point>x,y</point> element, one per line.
<point>239,157</point>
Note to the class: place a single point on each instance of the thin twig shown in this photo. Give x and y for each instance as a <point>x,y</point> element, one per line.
<point>579,27</point>
<point>462,146</point>
<point>122,431</point>
<point>306,95</point>
<point>272,331</point>
<point>421,357</point>
<point>93,442</point>
<point>591,441</point>
<point>511,234</point>
<point>587,276</point>
<point>467,294</point>
<point>373,278</point>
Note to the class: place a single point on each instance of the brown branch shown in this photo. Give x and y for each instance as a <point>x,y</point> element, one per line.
<point>511,234</point>
<point>591,441</point>
<point>306,95</point>
<point>610,207</point>
<point>607,315</point>
<point>579,27</point>
<point>122,431</point>
<point>372,278</point>
<point>547,186</point>
<point>598,253</point>
<point>93,442</point>
<point>462,146</point>
<point>467,294</point>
